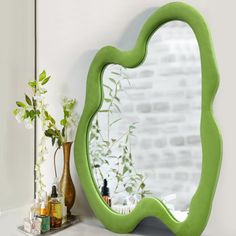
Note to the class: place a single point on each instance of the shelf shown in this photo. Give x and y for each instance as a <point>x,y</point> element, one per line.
<point>72,220</point>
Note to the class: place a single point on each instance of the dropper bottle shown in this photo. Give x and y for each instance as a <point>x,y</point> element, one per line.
<point>55,209</point>
<point>105,193</point>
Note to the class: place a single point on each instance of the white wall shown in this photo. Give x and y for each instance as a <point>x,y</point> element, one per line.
<point>70,33</point>
<point>16,67</point>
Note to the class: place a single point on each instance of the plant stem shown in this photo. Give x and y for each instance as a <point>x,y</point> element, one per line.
<point>55,168</point>
<point>97,127</point>
<point>122,136</point>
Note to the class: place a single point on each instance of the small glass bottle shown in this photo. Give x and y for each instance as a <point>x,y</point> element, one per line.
<point>44,216</point>
<point>32,224</point>
<point>105,193</point>
<point>44,209</point>
<point>55,210</point>
<point>36,206</point>
<point>64,208</point>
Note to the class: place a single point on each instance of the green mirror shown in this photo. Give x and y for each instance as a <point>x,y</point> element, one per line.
<point>147,144</point>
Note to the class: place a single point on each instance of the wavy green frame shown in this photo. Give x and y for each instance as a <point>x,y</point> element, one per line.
<point>201,202</point>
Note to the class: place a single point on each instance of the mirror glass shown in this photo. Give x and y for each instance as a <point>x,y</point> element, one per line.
<point>145,139</point>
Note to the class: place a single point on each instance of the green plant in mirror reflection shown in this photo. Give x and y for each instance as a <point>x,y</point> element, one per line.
<point>111,157</point>
<point>34,107</point>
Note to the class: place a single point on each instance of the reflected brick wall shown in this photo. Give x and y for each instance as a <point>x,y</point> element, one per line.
<point>165,99</point>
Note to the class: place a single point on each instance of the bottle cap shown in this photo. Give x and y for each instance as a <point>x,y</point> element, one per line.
<point>54,191</point>
<point>105,189</point>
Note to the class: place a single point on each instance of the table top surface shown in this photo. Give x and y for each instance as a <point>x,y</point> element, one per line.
<point>10,220</point>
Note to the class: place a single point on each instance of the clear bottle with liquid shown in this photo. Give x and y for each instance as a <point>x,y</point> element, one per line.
<point>55,209</point>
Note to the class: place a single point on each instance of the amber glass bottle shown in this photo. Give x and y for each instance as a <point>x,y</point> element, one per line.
<point>105,193</point>
<point>55,209</point>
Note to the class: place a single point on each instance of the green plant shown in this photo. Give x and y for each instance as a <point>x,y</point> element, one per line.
<point>111,157</point>
<point>34,107</point>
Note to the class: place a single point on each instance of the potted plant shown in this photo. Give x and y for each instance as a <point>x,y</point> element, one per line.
<point>35,107</point>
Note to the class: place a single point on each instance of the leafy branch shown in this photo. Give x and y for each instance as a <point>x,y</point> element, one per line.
<point>112,156</point>
<point>34,106</point>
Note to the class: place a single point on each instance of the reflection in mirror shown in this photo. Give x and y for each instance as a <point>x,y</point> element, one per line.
<point>145,139</point>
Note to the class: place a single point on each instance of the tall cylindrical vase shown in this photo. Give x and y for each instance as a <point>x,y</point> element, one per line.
<point>66,184</point>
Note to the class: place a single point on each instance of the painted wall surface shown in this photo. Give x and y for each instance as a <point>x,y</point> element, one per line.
<point>71,32</point>
<point>17,67</point>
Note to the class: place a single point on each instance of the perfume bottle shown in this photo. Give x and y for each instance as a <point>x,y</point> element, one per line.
<point>44,209</point>
<point>36,207</point>
<point>44,215</point>
<point>36,226</point>
<point>105,193</point>
<point>61,198</point>
<point>55,209</point>
<point>64,208</point>
<point>32,225</point>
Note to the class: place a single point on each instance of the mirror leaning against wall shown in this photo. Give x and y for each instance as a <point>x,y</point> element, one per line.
<point>147,143</point>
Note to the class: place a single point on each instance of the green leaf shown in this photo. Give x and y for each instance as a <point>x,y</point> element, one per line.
<point>140,176</point>
<point>129,189</point>
<point>117,99</point>
<point>118,109</point>
<point>37,112</point>
<point>15,112</point>
<point>20,104</point>
<point>113,122</point>
<point>34,102</point>
<point>46,114</point>
<point>108,87</point>
<point>42,76</point>
<point>49,117</point>
<point>66,113</point>
<point>32,84</point>
<point>32,114</point>
<point>112,80</point>
<point>26,114</point>
<point>115,73</point>
<point>47,134</point>
<point>53,141</point>
<point>50,132</point>
<point>45,80</point>
<point>63,132</point>
<point>63,122</point>
<point>28,100</point>
<point>107,143</point>
<point>52,120</point>
<point>142,186</point>
<point>59,142</point>
<point>125,169</point>
<point>107,100</point>
<point>104,111</point>
<point>147,192</point>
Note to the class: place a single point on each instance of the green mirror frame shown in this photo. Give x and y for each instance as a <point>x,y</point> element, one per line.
<point>201,202</point>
